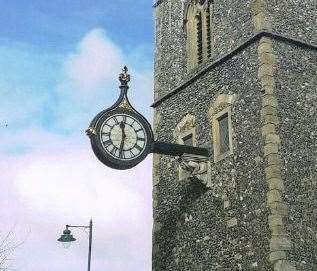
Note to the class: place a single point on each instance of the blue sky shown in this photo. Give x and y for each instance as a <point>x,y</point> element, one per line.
<point>58,25</point>
<point>59,62</point>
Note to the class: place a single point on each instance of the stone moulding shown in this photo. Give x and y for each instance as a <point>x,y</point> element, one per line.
<point>194,166</point>
<point>190,165</point>
<point>186,124</point>
<point>203,4</point>
<point>256,37</point>
<point>222,99</point>
<point>185,127</point>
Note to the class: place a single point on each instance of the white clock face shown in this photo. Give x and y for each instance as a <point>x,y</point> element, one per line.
<point>123,137</point>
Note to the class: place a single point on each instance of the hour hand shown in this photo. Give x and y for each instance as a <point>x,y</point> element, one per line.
<point>122,126</point>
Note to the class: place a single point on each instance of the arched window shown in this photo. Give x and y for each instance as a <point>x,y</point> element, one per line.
<point>197,22</point>
<point>208,29</point>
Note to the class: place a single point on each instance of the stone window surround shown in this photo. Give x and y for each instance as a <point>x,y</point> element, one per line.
<point>221,106</point>
<point>216,134</point>
<point>186,126</point>
<point>186,133</point>
<point>198,51</point>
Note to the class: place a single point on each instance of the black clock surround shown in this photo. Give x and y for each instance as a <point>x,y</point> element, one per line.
<point>121,137</point>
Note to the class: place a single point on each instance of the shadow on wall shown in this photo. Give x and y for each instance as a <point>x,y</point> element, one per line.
<point>167,238</point>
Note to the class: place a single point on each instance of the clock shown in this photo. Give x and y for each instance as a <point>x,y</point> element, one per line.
<point>120,136</point>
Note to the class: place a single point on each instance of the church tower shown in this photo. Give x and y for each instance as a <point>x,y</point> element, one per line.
<point>237,77</point>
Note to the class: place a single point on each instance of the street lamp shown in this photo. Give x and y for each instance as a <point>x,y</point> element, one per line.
<point>66,238</point>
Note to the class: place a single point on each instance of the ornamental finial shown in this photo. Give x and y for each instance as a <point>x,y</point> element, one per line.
<point>124,77</point>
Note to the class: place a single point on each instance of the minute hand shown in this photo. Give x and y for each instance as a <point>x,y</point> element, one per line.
<point>122,126</point>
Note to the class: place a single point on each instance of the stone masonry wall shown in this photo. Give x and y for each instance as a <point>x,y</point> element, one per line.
<point>170,64</point>
<point>258,211</point>
<point>297,96</point>
<point>222,226</point>
<point>294,18</point>
<point>231,26</point>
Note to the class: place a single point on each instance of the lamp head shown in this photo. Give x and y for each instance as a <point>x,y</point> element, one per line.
<point>66,238</point>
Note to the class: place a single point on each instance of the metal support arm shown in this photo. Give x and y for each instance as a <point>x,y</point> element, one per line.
<point>177,149</point>
<point>90,239</point>
<point>71,226</point>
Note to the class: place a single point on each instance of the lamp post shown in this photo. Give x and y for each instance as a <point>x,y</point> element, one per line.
<point>66,238</point>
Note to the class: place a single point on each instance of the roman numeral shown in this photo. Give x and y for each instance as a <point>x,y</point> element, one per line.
<point>107,142</point>
<point>105,134</point>
<point>140,139</point>
<point>113,150</point>
<point>115,120</point>
<point>139,130</point>
<point>122,155</point>
<point>138,147</point>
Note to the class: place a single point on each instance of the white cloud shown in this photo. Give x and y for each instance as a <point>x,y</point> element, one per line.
<point>97,60</point>
<point>50,188</point>
<point>65,94</point>
<point>90,82</point>
<point>75,185</point>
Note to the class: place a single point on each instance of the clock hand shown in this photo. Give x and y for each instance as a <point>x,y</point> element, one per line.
<point>121,147</point>
<point>122,125</point>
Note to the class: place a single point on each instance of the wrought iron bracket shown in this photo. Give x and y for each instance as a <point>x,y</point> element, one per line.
<point>177,149</point>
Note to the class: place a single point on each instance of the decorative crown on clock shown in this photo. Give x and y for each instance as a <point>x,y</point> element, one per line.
<point>124,77</point>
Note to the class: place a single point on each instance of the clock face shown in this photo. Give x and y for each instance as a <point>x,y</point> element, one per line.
<point>123,137</point>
